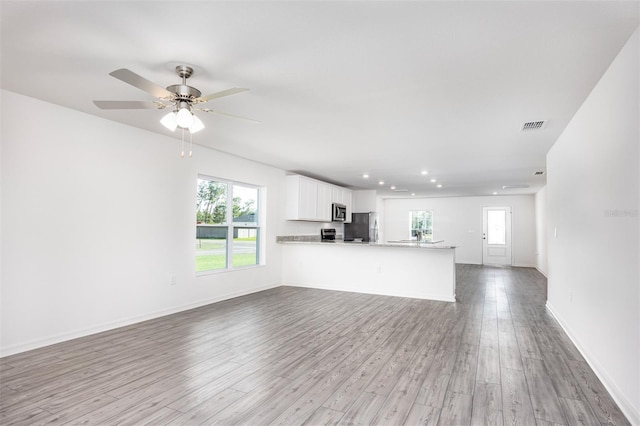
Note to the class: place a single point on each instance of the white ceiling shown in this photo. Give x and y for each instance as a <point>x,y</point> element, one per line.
<point>340,88</point>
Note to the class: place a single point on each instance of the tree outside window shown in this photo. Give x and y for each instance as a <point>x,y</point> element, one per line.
<point>227,228</point>
<point>421,225</point>
<point>212,202</point>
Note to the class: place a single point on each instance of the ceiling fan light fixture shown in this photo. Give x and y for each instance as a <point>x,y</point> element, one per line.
<point>197,125</point>
<point>169,121</point>
<point>184,118</point>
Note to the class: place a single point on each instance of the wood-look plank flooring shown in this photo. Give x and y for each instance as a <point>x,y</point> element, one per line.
<point>293,356</point>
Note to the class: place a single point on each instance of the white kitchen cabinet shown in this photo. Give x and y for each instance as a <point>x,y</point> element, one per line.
<point>342,196</point>
<point>323,207</point>
<point>348,201</point>
<point>302,198</point>
<point>310,199</point>
<point>336,195</point>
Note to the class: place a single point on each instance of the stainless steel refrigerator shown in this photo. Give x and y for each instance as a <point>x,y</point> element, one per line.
<point>363,225</point>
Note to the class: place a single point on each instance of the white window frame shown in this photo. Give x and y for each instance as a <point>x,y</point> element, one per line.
<point>230,225</point>
<point>411,222</point>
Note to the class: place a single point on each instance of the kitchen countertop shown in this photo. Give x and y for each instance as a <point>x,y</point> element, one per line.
<point>399,244</point>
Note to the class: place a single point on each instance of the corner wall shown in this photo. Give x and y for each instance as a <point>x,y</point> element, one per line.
<point>97,216</point>
<point>541,232</point>
<point>592,201</point>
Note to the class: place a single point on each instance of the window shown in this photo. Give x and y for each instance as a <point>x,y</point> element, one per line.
<point>496,227</point>
<point>227,225</point>
<point>421,224</point>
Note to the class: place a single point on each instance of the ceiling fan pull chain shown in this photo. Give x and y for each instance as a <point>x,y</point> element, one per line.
<point>182,153</point>
<point>190,144</point>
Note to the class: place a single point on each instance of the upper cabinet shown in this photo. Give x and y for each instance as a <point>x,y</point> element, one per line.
<point>323,208</point>
<point>310,199</point>
<point>307,196</point>
<point>342,196</point>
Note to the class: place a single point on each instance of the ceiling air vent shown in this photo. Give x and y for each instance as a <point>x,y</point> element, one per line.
<point>533,125</point>
<point>401,190</point>
<point>538,173</point>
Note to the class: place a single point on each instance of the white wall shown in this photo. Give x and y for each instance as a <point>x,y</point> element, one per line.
<point>592,201</point>
<point>381,218</point>
<point>364,201</point>
<point>96,217</point>
<point>458,221</point>
<point>541,231</point>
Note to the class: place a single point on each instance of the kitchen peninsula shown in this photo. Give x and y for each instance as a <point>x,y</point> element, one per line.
<point>406,269</point>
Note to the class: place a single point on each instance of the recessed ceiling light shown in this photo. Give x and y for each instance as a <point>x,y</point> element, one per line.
<point>393,187</point>
<point>495,193</point>
<point>381,182</point>
<point>424,172</point>
<point>366,176</point>
<point>433,180</point>
<point>439,186</point>
<point>413,193</point>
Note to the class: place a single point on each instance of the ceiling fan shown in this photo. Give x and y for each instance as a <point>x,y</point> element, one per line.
<point>181,98</point>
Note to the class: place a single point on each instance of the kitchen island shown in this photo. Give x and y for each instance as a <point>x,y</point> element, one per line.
<point>407,269</point>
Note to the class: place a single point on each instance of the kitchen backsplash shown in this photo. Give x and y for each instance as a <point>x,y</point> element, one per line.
<point>293,227</point>
<point>306,231</point>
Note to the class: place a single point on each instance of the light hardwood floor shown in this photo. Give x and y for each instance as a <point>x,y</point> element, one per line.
<point>295,356</point>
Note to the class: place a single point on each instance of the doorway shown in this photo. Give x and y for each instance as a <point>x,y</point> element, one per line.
<point>496,236</point>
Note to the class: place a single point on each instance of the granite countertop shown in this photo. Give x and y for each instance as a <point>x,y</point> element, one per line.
<point>399,244</point>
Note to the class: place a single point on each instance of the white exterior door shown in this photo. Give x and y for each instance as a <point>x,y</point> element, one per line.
<point>496,235</point>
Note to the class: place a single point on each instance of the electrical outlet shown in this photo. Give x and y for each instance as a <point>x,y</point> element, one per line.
<point>174,280</point>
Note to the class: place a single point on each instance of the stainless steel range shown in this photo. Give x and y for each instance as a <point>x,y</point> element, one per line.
<point>328,235</point>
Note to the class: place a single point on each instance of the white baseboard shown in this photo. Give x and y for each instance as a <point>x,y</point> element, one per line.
<point>414,295</point>
<point>519,265</point>
<point>625,405</point>
<point>542,272</point>
<point>74,334</point>
<point>523,265</point>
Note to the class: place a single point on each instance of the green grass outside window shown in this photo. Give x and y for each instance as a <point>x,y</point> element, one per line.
<point>210,262</point>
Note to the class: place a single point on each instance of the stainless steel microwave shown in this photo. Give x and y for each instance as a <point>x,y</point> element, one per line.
<point>338,212</point>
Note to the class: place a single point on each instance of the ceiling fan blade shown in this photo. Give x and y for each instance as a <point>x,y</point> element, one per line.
<point>129,104</point>
<point>141,83</point>
<point>216,95</point>
<point>225,114</point>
